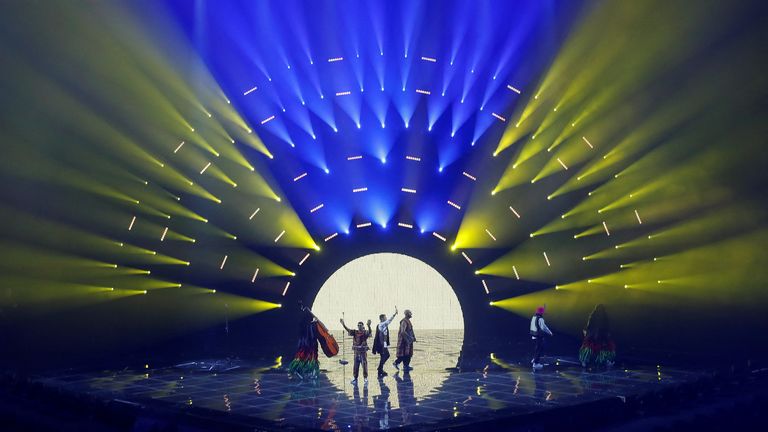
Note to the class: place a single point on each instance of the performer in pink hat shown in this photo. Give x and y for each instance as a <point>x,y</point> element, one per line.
<point>539,331</point>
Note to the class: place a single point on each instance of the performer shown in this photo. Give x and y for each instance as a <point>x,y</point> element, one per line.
<point>311,331</point>
<point>539,331</point>
<point>360,348</point>
<point>598,347</point>
<point>381,341</point>
<point>405,340</point>
<point>304,363</point>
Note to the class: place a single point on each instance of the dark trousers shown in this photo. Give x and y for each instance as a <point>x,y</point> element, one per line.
<point>384,357</point>
<point>406,360</point>
<point>361,358</point>
<point>538,348</point>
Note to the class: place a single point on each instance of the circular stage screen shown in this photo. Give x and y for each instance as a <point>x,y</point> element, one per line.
<point>374,284</point>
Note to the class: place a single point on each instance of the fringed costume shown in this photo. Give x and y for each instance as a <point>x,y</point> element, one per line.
<point>305,363</point>
<point>598,348</point>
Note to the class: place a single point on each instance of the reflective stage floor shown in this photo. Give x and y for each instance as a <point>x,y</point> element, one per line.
<point>435,393</point>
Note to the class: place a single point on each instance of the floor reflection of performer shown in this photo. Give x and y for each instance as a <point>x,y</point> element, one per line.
<point>382,405</point>
<point>360,418</point>
<point>405,340</point>
<point>405,397</point>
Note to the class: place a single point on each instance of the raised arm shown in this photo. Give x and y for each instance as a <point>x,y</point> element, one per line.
<point>345,326</point>
<point>392,317</point>
<point>369,327</point>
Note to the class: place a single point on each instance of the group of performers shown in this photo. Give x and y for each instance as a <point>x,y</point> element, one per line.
<point>597,346</point>
<point>305,364</point>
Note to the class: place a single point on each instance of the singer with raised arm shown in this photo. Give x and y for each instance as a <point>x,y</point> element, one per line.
<point>381,341</point>
<point>359,347</point>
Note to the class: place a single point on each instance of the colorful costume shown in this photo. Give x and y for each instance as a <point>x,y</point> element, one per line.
<point>360,348</point>
<point>405,340</point>
<point>598,347</point>
<point>304,363</point>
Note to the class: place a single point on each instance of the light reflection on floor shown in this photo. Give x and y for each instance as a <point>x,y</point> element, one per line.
<point>435,352</point>
<point>492,387</point>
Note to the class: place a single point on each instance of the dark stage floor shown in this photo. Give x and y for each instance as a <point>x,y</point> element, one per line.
<point>434,393</point>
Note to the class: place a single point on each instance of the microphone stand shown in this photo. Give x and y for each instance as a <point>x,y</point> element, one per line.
<point>342,360</point>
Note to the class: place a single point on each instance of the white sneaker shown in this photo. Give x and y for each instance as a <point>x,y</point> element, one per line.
<point>538,365</point>
<point>354,381</point>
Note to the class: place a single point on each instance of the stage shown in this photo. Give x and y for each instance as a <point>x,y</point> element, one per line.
<point>436,394</point>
